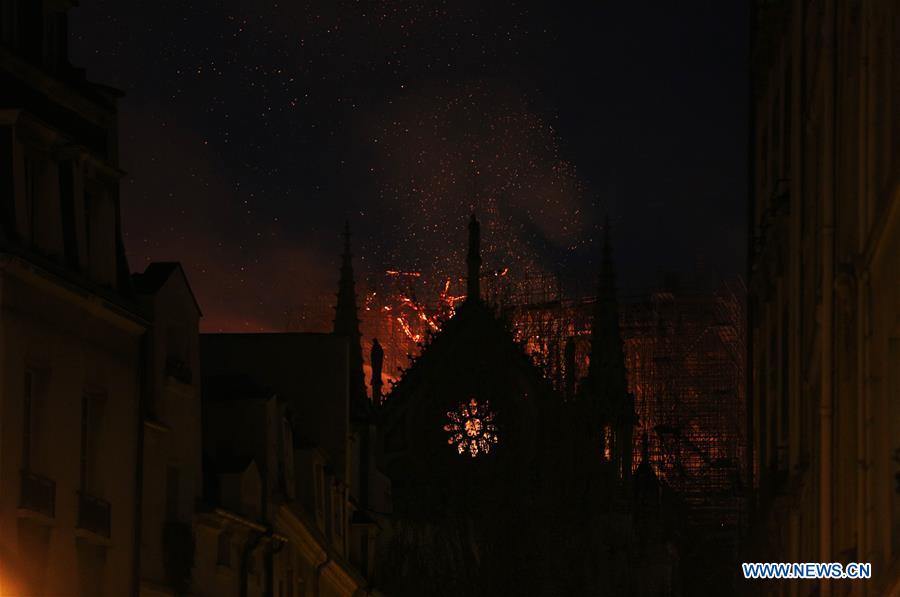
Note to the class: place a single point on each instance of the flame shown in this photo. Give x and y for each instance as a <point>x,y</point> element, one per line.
<point>407,330</point>
<point>412,317</point>
<point>676,379</point>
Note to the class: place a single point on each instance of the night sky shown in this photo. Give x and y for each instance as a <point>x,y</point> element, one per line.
<point>251,130</point>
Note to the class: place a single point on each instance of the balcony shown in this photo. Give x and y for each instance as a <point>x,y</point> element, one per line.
<point>93,514</point>
<point>38,494</point>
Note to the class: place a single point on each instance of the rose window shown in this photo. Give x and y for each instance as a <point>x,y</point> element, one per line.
<point>472,428</point>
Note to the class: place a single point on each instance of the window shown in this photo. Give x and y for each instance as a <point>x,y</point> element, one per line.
<point>251,564</point>
<point>172,492</point>
<point>30,38</point>
<point>471,428</point>
<point>223,557</point>
<point>6,22</point>
<point>55,39</point>
<point>34,448</point>
<point>32,196</point>
<point>40,223</point>
<point>85,439</point>
<point>286,463</point>
<point>177,340</point>
<point>92,406</point>
<point>100,233</point>
<point>337,509</point>
<point>27,419</point>
<point>178,353</point>
<point>320,490</point>
<point>67,213</point>
<point>88,227</point>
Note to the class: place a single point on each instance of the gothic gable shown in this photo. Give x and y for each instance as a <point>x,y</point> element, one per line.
<point>473,358</point>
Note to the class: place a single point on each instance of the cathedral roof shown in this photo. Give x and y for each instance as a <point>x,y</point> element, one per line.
<point>606,384</point>
<point>308,373</point>
<point>474,320</point>
<point>346,323</point>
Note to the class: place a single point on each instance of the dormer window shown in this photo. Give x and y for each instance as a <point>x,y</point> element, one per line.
<point>178,354</point>
<point>33,171</point>
<point>100,233</point>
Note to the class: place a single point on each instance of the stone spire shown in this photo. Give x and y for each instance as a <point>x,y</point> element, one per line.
<point>607,360</point>
<point>473,260</point>
<point>646,483</point>
<point>607,372</point>
<point>346,323</point>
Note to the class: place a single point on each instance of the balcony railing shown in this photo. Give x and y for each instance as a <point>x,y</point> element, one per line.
<point>38,494</point>
<point>93,514</point>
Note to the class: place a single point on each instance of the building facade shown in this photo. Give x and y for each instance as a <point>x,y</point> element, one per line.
<point>245,464</point>
<point>825,289</point>
<point>501,485</point>
<point>309,466</point>
<point>70,333</point>
<point>122,471</point>
<point>171,462</point>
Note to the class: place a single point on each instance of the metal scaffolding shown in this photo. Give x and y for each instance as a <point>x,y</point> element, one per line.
<point>684,352</point>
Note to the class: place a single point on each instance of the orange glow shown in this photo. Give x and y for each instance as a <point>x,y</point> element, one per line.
<point>404,325</point>
<point>684,365</point>
<point>683,357</point>
<point>399,320</point>
<point>9,585</point>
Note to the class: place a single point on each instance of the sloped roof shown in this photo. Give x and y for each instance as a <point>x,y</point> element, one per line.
<point>154,276</point>
<point>306,371</point>
<point>472,314</point>
<point>233,386</point>
<point>158,273</point>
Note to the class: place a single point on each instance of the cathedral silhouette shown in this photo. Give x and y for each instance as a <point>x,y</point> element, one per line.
<point>502,485</point>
